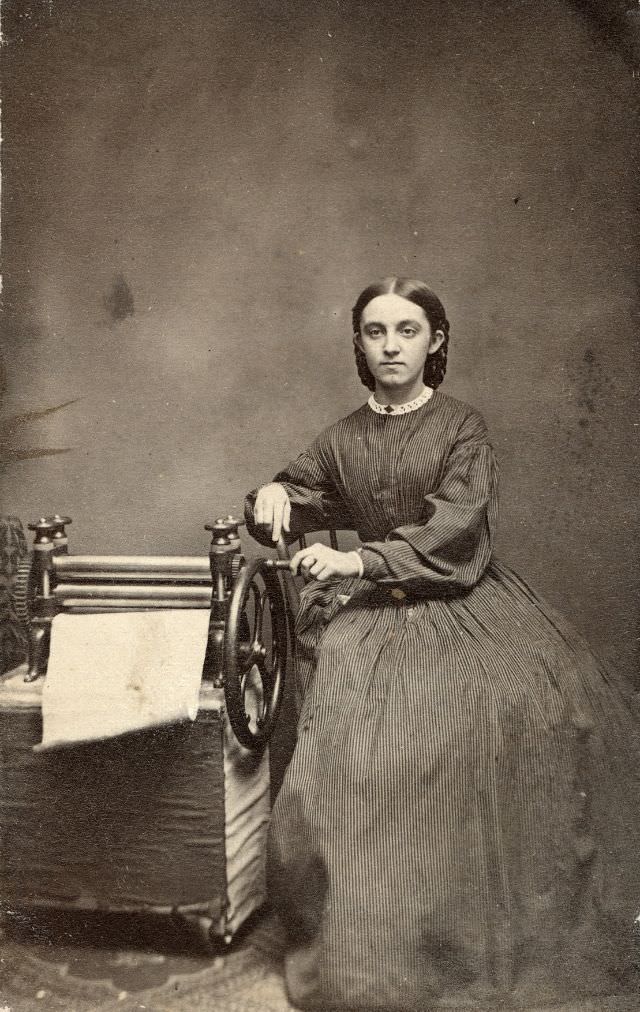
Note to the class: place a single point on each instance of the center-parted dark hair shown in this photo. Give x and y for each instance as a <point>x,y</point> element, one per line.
<point>417,292</point>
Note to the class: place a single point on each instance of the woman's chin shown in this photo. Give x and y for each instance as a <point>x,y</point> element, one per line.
<point>393,385</point>
<point>391,381</point>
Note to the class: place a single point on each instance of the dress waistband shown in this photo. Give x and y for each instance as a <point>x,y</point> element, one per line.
<point>397,596</point>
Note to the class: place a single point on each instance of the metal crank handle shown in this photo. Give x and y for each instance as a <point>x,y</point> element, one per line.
<point>277,564</point>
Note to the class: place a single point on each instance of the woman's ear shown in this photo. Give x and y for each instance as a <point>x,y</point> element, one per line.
<point>357,340</point>
<point>436,341</point>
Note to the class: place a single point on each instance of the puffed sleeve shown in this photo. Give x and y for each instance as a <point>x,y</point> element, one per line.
<point>449,550</point>
<point>316,500</point>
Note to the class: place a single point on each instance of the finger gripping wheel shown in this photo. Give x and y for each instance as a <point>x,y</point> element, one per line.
<point>255,654</point>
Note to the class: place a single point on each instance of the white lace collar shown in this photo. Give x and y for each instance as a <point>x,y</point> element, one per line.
<point>401,409</point>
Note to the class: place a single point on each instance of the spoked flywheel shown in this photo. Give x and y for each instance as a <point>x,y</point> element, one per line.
<point>255,653</point>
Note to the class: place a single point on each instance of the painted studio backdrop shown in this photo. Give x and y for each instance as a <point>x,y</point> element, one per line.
<point>195,192</point>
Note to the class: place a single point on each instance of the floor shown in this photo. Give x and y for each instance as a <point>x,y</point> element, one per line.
<point>80,963</point>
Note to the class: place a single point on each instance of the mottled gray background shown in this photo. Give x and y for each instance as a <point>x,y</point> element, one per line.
<point>195,192</point>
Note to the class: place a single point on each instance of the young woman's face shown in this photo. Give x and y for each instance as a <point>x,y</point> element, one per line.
<point>396,337</point>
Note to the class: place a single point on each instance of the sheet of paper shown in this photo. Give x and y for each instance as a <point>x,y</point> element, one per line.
<point>110,674</point>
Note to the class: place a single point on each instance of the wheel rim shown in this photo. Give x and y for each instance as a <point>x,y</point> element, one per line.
<point>255,654</point>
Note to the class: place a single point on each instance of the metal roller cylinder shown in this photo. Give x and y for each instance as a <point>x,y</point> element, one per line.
<point>100,605</point>
<point>124,591</point>
<point>192,567</point>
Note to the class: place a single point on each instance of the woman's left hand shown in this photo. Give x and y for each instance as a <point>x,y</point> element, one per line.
<point>322,562</point>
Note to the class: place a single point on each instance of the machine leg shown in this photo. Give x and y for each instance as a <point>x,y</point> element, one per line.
<point>200,929</point>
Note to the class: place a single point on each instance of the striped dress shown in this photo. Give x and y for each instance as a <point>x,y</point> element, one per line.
<point>459,825</point>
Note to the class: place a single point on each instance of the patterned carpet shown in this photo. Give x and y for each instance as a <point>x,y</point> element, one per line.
<point>77,963</point>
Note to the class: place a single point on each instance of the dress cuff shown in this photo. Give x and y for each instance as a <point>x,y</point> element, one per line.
<point>373,565</point>
<point>358,558</point>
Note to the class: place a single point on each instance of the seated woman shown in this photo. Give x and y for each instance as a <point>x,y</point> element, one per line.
<point>459,824</point>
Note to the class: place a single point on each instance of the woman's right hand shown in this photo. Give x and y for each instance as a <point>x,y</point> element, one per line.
<point>272,509</point>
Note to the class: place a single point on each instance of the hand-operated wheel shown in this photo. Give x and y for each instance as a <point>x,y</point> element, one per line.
<point>255,653</point>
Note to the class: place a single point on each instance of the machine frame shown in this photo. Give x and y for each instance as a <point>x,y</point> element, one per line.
<point>103,807</point>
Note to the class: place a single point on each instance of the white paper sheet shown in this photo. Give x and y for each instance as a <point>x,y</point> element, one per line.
<point>109,674</point>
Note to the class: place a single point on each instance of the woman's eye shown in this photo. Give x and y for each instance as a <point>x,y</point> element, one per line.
<point>408,331</point>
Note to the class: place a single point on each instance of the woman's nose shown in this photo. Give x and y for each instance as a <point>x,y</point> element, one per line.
<point>391,346</point>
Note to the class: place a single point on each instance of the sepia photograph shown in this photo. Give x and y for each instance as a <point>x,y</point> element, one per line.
<point>320,471</point>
